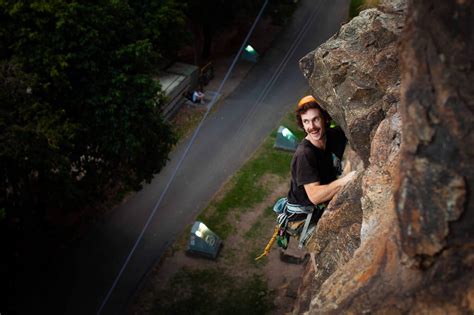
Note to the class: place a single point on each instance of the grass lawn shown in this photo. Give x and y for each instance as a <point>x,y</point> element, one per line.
<point>241,214</point>
<point>244,189</point>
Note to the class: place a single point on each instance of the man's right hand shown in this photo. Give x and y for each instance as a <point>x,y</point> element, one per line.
<point>347,178</point>
<point>320,193</point>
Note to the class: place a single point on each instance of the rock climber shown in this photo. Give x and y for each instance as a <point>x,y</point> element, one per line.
<point>315,166</point>
<point>316,162</point>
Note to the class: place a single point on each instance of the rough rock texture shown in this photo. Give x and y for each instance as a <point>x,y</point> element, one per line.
<point>435,192</point>
<point>358,67</point>
<point>399,239</point>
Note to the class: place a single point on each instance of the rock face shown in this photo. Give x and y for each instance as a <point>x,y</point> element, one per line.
<point>358,67</point>
<point>400,238</point>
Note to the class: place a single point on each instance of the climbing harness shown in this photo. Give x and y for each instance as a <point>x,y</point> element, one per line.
<point>292,220</point>
<point>296,219</point>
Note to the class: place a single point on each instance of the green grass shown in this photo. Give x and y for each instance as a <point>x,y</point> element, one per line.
<point>290,121</point>
<point>212,291</point>
<point>245,190</point>
<point>255,230</point>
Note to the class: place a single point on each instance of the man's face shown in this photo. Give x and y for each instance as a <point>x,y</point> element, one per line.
<point>314,124</point>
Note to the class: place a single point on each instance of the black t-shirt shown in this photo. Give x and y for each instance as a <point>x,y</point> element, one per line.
<point>311,164</point>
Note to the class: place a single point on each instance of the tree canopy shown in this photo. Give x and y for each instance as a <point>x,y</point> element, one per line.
<point>208,17</point>
<point>80,106</point>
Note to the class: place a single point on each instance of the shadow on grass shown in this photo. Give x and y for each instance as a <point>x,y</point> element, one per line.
<point>212,291</point>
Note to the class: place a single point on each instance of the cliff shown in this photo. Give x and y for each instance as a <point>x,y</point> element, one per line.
<point>399,238</point>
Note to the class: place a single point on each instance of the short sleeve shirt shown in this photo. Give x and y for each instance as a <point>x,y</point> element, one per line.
<point>311,164</point>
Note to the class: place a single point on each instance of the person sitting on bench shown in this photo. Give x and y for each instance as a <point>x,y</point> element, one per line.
<point>198,97</point>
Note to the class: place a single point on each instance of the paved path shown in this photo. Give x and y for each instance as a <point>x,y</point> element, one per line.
<point>227,139</point>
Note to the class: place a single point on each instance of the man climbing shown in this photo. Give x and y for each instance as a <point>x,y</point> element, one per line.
<point>313,170</point>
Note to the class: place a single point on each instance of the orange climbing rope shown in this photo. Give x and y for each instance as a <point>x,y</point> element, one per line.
<point>270,243</point>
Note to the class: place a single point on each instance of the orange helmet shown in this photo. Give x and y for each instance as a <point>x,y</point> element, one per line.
<point>307,99</point>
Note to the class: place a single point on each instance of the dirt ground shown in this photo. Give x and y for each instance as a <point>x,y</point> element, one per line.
<point>237,254</point>
<point>235,257</point>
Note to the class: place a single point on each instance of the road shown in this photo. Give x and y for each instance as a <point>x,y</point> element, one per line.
<point>80,281</point>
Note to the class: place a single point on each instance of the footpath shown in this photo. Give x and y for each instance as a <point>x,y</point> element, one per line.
<point>188,116</point>
<point>168,286</point>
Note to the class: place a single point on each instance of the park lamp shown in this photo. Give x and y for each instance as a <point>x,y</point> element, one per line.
<point>250,49</point>
<point>250,54</point>
<point>285,139</point>
<point>203,241</point>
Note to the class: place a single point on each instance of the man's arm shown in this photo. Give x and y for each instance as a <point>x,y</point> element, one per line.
<point>320,193</point>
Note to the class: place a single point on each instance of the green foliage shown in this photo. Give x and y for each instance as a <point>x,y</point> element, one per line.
<point>358,5</point>
<point>207,17</point>
<point>354,7</point>
<point>210,17</point>
<point>213,292</point>
<point>80,108</point>
<point>164,24</point>
<point>281,11</point>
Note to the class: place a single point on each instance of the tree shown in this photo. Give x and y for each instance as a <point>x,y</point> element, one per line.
<point>209,17</point>
<point>80,107</point>
<point>206,18</point>
<point>164,24</point>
